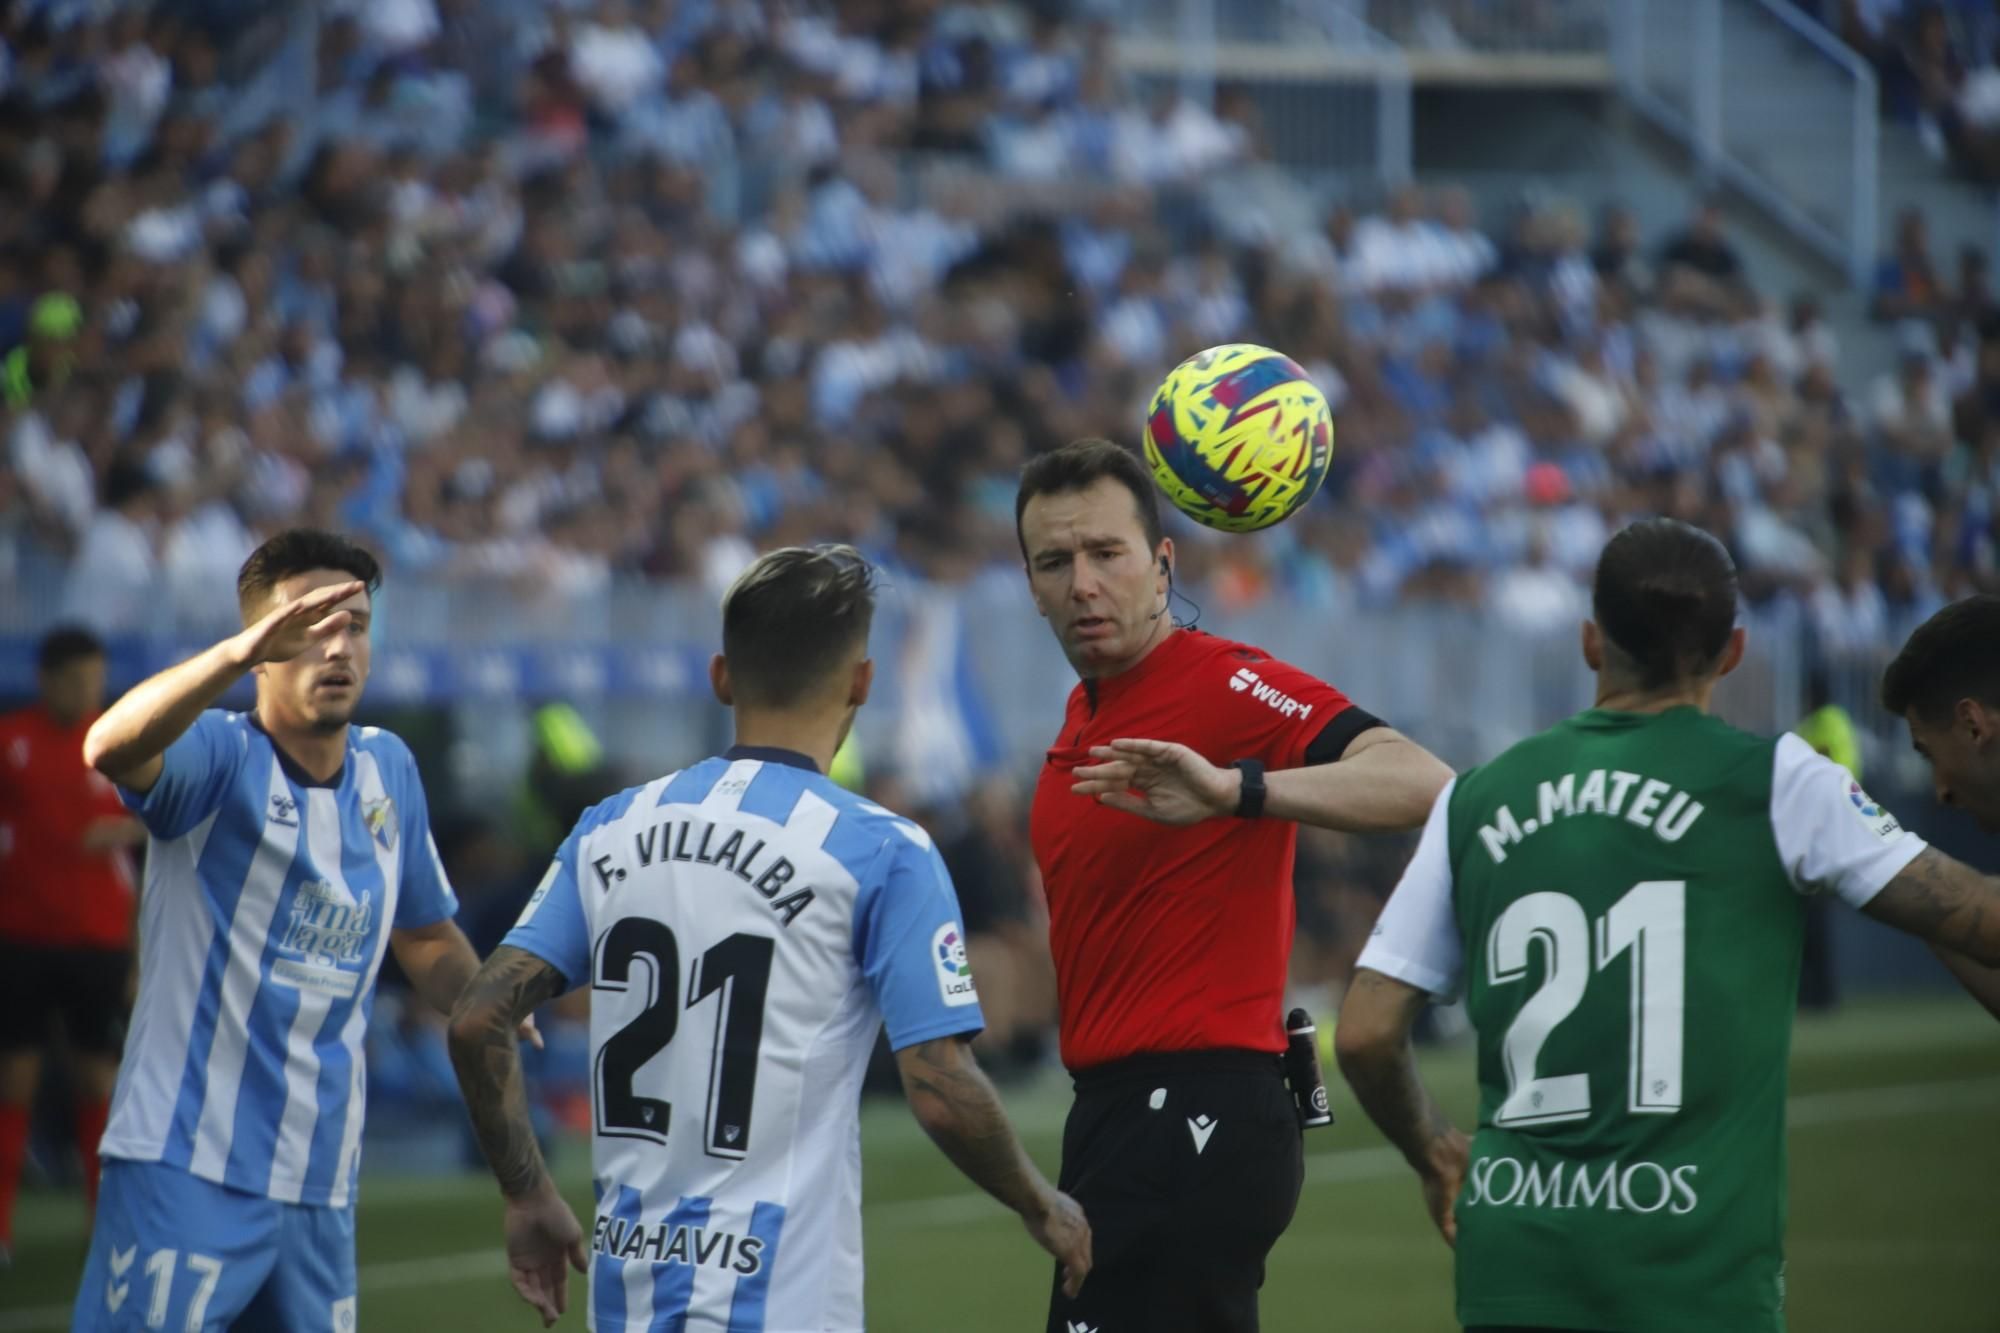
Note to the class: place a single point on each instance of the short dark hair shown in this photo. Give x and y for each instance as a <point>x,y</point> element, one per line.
<point>65,644</point>
<point>298,551</point>
<point>1665,597</point>
<point>791,620</point>
<point>1950,657</point>
<point>1080,464</point>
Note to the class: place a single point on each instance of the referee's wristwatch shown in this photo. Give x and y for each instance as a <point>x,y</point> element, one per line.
<point>1250,802</point>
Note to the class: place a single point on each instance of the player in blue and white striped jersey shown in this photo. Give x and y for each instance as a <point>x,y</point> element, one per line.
<point>288,851</point>
<point>746,928</point>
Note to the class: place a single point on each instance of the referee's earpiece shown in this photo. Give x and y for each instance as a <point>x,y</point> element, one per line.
<point>1168,570</point>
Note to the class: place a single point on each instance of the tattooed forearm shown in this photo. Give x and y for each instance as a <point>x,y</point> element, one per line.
<point>959,1109</point>
<point>1383,1072</point>
<point>488,1060</point>
<point>1945,902</point>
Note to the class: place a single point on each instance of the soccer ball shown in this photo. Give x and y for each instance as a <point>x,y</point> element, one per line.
<point>1238,437</point>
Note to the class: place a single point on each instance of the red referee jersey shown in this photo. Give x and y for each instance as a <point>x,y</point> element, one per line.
<point>52,891</point>
<point>1175,939</point>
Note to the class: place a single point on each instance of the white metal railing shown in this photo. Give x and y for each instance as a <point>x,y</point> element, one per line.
<point>1465,683</point>
<point>1769,103</point>
<point>1542,27</point>
<point>1333,95</point>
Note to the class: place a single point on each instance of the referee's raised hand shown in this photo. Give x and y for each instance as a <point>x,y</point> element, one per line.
<point>1158,780</point>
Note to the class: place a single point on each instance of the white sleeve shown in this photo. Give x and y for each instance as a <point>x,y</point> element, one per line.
<point>1416,938</point>
<point>1831,835</point>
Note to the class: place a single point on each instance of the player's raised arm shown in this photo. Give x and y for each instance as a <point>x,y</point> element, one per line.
<point>127,742</point>
<point>543,1235</point>
<point>957,1106</point>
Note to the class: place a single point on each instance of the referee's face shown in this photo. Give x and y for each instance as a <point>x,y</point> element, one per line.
<point>1095,577</point>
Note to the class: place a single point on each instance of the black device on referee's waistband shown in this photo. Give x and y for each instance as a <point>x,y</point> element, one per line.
<point>1302,1070</point>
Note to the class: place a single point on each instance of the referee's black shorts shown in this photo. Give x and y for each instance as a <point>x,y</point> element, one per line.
<point>1188,1167</point>
<point>82,989</point>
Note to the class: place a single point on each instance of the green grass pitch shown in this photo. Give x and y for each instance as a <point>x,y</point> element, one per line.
<point>1895,1211</point>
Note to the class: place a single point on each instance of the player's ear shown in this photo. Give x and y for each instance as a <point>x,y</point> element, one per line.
<point>863,682</point>
<point>718,680</point>
<point>1593,646</point>
<point>1732,654</point>
<point>1980,723</point>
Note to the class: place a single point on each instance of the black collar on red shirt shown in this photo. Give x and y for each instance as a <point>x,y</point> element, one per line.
<point>293,768</point>
<point>771,754</point>
<point>1164,651</point>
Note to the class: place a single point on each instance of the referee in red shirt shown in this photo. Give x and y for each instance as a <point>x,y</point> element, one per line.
<point>66,905</point>
<point>1171,943</point>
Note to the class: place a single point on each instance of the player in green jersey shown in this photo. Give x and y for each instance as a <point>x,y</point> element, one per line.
<point>1946,685</point>
<point>1621,899</point>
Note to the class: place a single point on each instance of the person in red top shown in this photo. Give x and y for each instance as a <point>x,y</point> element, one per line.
<point>66,905</point>
<point>1168,869</point>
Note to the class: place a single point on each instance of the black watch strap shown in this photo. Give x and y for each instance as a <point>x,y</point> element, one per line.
<point>1250,804</point>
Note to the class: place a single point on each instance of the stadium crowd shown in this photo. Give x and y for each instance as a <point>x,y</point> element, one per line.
<point>621,290</point>
<point>558,295</point>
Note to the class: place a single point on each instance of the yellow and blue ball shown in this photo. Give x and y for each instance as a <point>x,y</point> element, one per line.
<point>1238,437</point>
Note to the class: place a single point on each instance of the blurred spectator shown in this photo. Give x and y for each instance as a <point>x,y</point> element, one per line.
<point>44,361</point>
<point>1805,341</point>
<point>1972,299</point>
<point>1934,70</point>
<point>1535,597</point>
<point>613,60</point>
<point>1699,266</point>
<point>1911,406</point>
<point>1907,285</point>
<point>111,578</point>
<point>1618,254</point>
<point>1849,613</point>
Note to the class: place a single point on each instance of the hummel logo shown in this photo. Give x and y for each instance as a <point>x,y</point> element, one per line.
<point>1202,1127</point>
<point>284,810</point>
<point>1243,679</point>
<point>115,1291</point>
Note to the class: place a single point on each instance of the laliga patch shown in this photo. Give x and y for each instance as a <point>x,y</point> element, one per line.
<point>954,972</point>
<point>541,892</point>
<point>1880,822</point>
